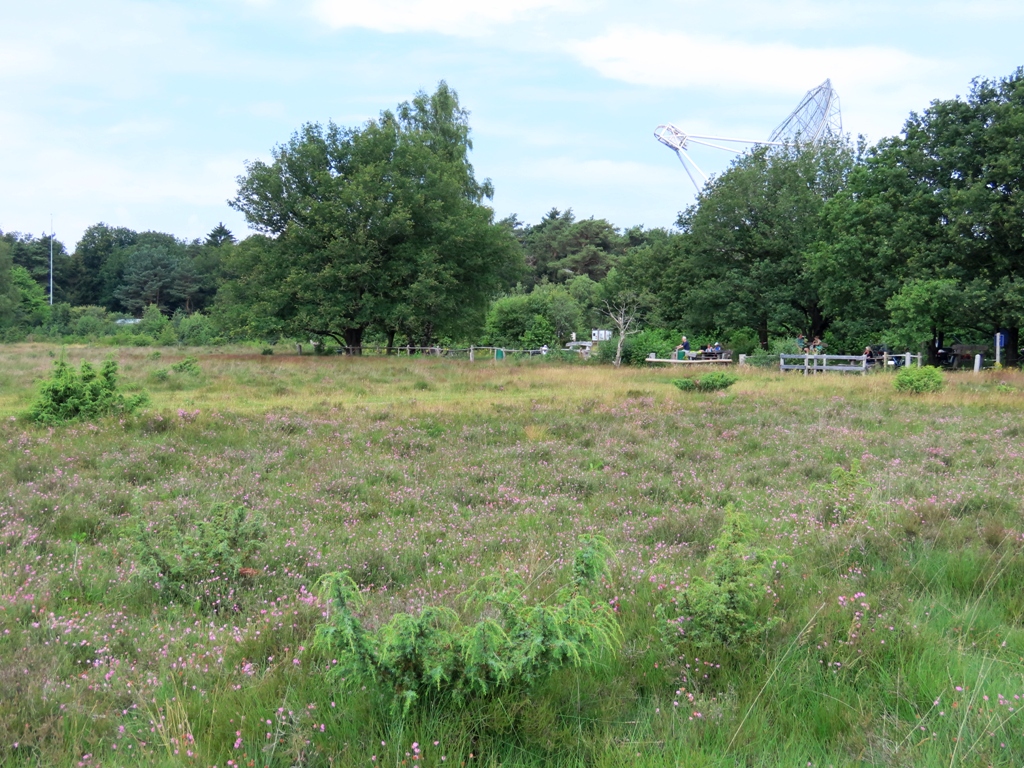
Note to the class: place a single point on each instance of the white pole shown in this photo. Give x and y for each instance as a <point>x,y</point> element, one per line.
<point>977,363</point>
<point>51,259</point>
<point>906,360</point>
<point>997,349</point>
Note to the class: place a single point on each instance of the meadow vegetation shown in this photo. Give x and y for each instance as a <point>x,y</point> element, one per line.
<point>306,561</point>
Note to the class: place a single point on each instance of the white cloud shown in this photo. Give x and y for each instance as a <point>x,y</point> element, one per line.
<point>680,60</point>
<point>465,18</point>
<point>877,85</point>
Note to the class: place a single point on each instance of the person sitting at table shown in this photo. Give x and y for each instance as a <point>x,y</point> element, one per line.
<point>869,355</point>
<point>683,349</point>
<point>717,349</point>
<point>801,342</point>
<point>816,346</point>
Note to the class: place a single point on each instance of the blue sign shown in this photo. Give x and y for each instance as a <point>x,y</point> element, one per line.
<point>1002,338</point>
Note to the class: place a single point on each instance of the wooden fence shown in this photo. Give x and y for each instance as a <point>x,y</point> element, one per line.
<point>841,363</point>
<point>465,353</point>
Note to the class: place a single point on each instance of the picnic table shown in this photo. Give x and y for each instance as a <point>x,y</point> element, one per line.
<point>964,353</point>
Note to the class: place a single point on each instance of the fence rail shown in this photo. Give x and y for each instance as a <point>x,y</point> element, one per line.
<point>842,363</point>
<point>469,353</point>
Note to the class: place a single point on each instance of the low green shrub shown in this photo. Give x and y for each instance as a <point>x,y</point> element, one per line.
<point>727,606</point>
<point>69,395</point>
<point>709,382</point>
<point>919,380</point>
<point>202,563</point>
<point>189,365</point>
<point>416,659</point>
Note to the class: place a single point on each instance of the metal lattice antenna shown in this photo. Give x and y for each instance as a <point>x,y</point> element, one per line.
<point>816,117</point>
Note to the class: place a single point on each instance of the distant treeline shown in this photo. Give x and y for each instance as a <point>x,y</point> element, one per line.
<point>381,234</point>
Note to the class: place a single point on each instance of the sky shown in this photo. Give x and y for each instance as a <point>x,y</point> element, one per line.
<point>144,114</point>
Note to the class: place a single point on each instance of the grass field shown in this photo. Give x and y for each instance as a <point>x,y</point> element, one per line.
<point>892,524</point>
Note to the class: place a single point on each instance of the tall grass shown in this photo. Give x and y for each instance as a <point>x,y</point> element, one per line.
<point>892,608</point>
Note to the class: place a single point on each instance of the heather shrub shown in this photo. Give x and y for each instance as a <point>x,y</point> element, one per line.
<point>918,380</point>
<point>434,656</point>
<point>709,382</point>
<point>69,395</point>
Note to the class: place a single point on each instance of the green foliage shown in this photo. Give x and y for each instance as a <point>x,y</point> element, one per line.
<point>33,308</point>
<point>201,562</point>
<point>843,497</point>
<point>729,605</point>
<point>149,278</point>
<point>919,380</point>
<point>380,226</point>
<point>154,322</point>
<point>538,333</point>
<point>69,395</point>
<point>548,314</point>
<point>708,382</point>
<point>197,330</point>
<point>10,297</point>
<point>747,238</point>
<point>188,365</point>
<point>559,248</point>
<point>434,656</point>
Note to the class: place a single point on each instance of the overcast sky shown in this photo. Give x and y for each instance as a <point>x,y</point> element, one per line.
<point>142,114</point>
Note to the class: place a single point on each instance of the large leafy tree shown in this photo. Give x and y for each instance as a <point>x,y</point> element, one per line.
<point>379,226</point>
<point>97,264</point>
<point>971,157</point>
<point>33,254</point>
<point>928,238</point>
<point>10,297</point>
<point>747,239</point>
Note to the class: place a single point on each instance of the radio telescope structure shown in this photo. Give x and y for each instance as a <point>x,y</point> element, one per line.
<point>817,117</point>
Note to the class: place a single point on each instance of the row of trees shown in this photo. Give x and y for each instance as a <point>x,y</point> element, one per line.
<point>383,231</point>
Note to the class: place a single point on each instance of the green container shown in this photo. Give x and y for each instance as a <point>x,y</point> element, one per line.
<point>499,354</point>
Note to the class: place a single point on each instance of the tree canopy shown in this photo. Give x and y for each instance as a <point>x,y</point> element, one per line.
<point>377,226</point>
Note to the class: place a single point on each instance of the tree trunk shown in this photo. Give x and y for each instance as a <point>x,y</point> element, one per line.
<point>818,322</point>
<point>428,333</point>
<point>618,350</point>
<point>762,333</point>
<point>1012,346</point>
<point>391,342</point>
<point>354,341</point>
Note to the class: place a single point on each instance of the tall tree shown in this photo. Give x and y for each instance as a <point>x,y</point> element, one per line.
<point>747,239</point>
<point>382,225</point>
<point>9,294</point>
<point>150,278</point>
<point>33,254</point>
<point>559,247</point>
<point>220,235</point>
<point>936,209</point>
<point>94,280</point>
